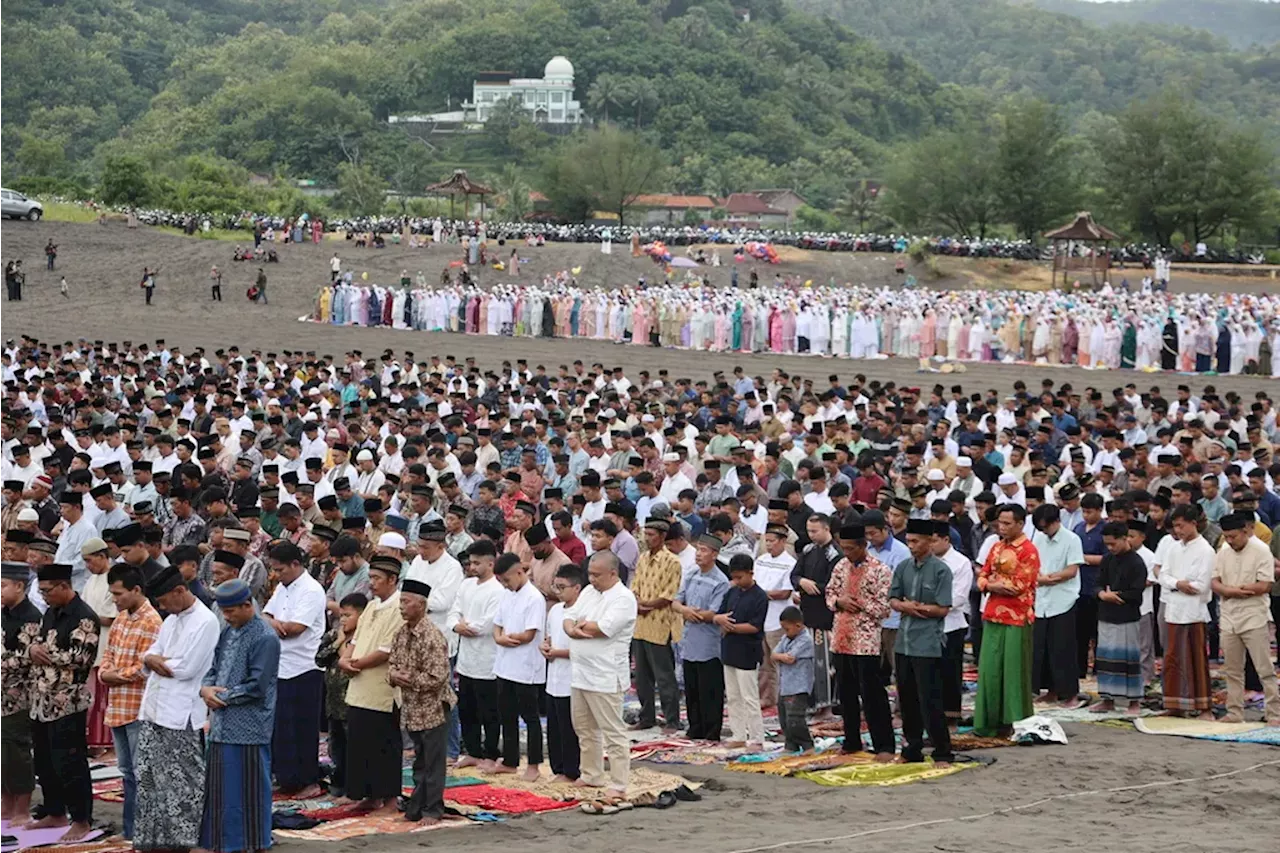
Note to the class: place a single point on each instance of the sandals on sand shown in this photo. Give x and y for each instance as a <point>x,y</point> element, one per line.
<point>606,806</point>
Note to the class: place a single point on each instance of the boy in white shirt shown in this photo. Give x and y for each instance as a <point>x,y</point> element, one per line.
<point>518,664</point>
<point>471,619</point>
<point>563,751</point>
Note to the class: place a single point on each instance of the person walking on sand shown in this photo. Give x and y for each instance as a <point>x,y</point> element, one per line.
<point>62,287</point>
<point>149,283</point>
<point>215,283</point>
<point>261,285</point>
<point>50,253</point>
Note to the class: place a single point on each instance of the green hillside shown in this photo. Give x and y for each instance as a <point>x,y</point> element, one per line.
<point>1243,23</point>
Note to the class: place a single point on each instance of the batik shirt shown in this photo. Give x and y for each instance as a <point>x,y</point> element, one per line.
<point>246,662</point>
<point>21,629</point>
<point>1018,565</point>
<point>422,652</point>
<point>868,585</point>
<point>70,635</point>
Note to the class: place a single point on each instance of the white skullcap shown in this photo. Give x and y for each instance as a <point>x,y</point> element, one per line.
<point>964,462</point>
<point>935,474</point>
<point>391,540</point>
<point>365,455</point>
<point>671,457</point>
<point>1007,480</point>
<point>28,514</point>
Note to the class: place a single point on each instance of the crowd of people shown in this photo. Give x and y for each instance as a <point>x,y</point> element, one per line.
<point>1142,329</point>
<point>284,545</point>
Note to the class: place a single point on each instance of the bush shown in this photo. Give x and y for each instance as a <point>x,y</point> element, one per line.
<point>918,250</point>
<point>1273,256</point>
<point>50,186</point>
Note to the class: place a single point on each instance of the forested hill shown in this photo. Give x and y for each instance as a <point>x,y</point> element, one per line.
<point>1013,48</point>
<point>285,85</point>
<point>1242,22</point>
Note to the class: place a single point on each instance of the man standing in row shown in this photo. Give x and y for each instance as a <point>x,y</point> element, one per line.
<point>656,584</point>
<point>1243,573</point>
<point>240,691</point>
<point>1008,577</point>
<point>170,761</point>
<point>921,592</point>
<point>296,613</point>
<point>61,658</point>
<point>21,629</point>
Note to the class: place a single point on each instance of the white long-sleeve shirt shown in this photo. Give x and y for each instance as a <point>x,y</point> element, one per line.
<point>1186,561</point>
<point>187,641</point>
<point>477,603</point>
<point>444,576</point>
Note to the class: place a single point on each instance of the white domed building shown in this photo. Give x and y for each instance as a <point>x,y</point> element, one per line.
<point>549,99</point>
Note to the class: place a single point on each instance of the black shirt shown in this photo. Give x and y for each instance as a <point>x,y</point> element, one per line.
<point>815,562</point>
<point>747,606</point>
<point>1125,574</point>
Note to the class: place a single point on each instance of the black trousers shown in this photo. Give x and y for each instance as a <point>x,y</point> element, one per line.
<point>17,776</point>
<point>562,741</point>
<point>429,759</point>
<point>656,666</point>
<point>1055,654</point>
<point>862,692</point>
<point>150,292</point>
<point>478,713</point>
<point>62,766</point>
<point>1086,631</point>
<point>975,628</point>
<point>920,703</point>
<point>704,698</point>
<point>217,293</point>
<point>953,672</point>
<point>518,702</point>
<point>338,753</point>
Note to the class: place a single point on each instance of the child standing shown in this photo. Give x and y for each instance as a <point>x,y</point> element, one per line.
<point>518,666</point>
<point>563,750</point>
<point>335,685</point>
<point>794,658</point>
<point>62,287</point>
<point>741,622</point>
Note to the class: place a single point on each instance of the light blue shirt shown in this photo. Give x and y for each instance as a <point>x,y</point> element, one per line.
<point>704,591</point>
<point>1056,553</point>
<point>893,553</point>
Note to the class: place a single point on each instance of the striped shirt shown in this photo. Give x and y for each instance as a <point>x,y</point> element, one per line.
<point>130,636</point>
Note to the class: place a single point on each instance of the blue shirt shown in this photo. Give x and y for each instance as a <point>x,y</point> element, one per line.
<point>795,678</point>
<point>352,507</point>
<point>703,591</point>
<point>747,607</point>
<point>1091,543</point>
<point>246,662</point>
<point>893,553</point>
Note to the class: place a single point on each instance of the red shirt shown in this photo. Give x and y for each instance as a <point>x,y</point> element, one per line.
<point>1018,566</point>
<point>866,489</point>
<point>572,547</point>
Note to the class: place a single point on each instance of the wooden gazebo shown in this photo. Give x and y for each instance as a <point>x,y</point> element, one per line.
<point>461,185</point>
<point>1084,231</point>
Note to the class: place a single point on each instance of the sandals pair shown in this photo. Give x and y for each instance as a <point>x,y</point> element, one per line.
<point>606,806</point>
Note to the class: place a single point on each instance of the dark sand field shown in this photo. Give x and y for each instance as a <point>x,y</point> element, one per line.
<point>741,812</point>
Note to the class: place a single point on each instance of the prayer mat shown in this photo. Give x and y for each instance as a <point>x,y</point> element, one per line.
<point>505,800</point>
<point>1258,732</point>
<point>115,844</point>
<point>355,827</point>
<point>643,780</point>
<point>25,839</point>
<point>968,741</point>
<point>1084,715</point>
<point>794,765</point>
<point>109,790</point>
<point>642,750</point>
<point>328,813</point>
<point>870,773</point>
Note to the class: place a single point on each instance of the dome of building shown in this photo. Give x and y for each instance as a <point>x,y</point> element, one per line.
<point>558,68</point>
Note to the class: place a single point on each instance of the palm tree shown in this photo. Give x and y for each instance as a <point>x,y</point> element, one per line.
<point>694,26</point>
<point>642,95</point>
<point>607,91</point>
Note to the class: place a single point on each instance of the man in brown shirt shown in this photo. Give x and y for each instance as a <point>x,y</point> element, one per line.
<point>1243,573</point>
<point>546,561</point>
<point>419,670</point>
<point>656,583</point>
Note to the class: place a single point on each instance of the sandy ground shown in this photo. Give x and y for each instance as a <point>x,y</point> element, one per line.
<point>746,813</point>
<point>103,265</point>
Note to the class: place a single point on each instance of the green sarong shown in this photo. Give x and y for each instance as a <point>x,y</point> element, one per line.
<point>1004,678</point>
